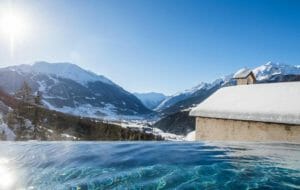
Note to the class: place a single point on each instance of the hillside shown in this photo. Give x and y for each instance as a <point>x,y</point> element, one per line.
<point>189,98</point>
<point>24,121</point>
<point>178,123</point>
<point>70,89</point>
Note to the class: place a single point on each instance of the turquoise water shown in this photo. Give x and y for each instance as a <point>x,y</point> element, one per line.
<point>148,165</point>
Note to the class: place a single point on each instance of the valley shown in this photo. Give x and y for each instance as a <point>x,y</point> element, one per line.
<point>77,104</point>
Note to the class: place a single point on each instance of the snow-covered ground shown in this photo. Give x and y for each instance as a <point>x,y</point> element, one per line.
<point>4,129</point>
<point>144,127</point>
<point>108,112</point>
<point>191,136</point>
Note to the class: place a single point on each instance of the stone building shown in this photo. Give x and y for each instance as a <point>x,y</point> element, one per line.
<point>244,76</point>
<point>259,112</point>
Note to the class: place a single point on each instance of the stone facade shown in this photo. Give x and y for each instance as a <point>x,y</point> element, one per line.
<point>250,79</point>
<point>213,129</point>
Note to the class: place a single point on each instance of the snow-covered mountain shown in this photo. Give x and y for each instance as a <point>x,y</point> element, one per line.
<point>270,69</point>
<point>71,89</point>
<point>202,90</point>
<point>180,96</point>
<point>175,109</point>
<point>151,100</point>
<point>62,70</point>
<point>269,72</point>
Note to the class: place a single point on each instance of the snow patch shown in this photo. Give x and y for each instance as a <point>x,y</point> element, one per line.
<point>191,136</point>
<point>108,112</point>
<point>68,137</point>
<point>4,129</point>
<point>42,86</point>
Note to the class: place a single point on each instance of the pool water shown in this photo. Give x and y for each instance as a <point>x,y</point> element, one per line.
<point>148,165</point>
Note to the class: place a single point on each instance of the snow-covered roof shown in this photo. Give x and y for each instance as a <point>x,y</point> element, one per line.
<point>272,102</point>
<point>242,73</point>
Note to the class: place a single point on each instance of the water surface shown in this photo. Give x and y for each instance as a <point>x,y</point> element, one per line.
<point>148,165</point>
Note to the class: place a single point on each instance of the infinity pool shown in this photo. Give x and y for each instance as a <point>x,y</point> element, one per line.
<point>148,165</point>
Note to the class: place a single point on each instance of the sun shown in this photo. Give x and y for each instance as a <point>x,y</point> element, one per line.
<point>13,27</point>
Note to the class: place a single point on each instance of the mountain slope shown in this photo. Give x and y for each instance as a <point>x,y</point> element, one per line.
<point>270,69</point>
<point>23,121</point>
<point>178,123</point>
<point>151,100</point>
<point>192,97</point>
<point>62,70</point>
<point>179,96</point>
<point>68,88</point>
<point>270,72</point>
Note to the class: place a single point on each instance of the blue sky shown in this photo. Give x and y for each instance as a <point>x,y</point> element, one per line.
<point>157,45</point>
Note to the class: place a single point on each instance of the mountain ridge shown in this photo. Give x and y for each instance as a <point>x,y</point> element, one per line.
<point>63,70</point>
<point>266,73</point>
<point>263,73</point>
<point>79,92</point>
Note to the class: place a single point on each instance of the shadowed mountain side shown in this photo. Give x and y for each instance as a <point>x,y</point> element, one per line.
<point>178,123</point>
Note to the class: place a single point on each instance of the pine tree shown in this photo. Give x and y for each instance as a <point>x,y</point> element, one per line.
<point>25,93</point>
<point>38,98</point>
<point>2,135</point>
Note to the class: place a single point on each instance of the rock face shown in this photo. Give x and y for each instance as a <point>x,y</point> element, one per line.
<point>67,88</point>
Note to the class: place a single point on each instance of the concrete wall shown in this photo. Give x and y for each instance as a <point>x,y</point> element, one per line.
<point>235,130</point>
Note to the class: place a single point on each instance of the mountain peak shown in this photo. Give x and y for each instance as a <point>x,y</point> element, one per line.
<point>271,68</point>
<point>44,64</point>
<point>64,70</point>
<point>270,63</point>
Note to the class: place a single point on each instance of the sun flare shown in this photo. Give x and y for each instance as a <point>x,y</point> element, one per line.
<point>13,26</point>
<point>7,179</point>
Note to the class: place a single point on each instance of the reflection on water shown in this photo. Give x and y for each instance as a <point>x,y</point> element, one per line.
<point>151,165</point>
<point>7,177</point>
